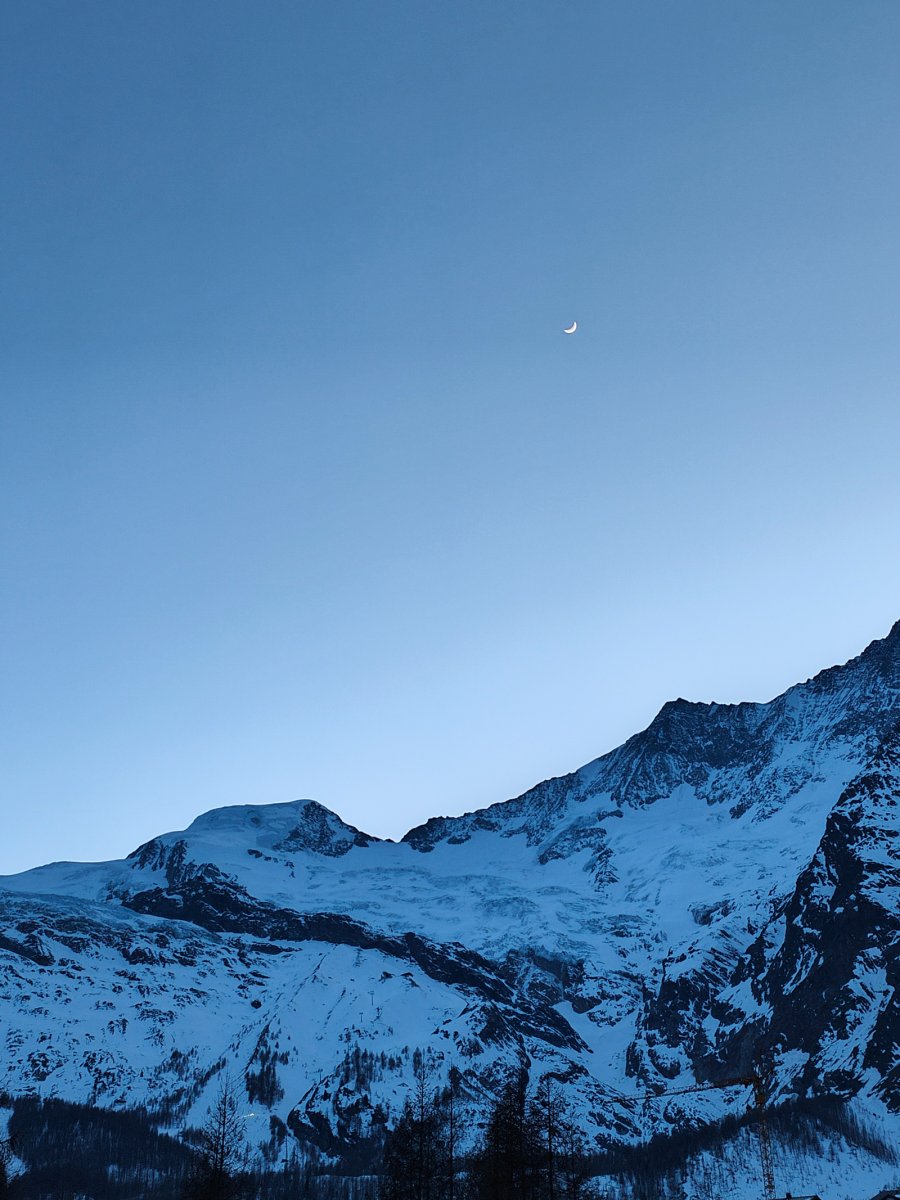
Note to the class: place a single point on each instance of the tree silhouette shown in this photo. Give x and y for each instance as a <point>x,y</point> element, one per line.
<point>222,1151</point>
<point>508,1163</point>
<point>6,1156</point>
<point>421,1152</point>
<point>532,1148</point>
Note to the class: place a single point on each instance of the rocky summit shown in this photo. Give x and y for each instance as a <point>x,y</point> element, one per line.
<point>718,897</point>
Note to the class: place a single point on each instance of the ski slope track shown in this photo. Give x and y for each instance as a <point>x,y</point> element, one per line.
<point>719,895</point>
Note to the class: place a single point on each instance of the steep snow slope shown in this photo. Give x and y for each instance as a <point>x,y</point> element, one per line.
<point>639,923</point>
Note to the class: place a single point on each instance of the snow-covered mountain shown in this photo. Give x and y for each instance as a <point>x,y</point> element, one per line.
<point>719,895</point>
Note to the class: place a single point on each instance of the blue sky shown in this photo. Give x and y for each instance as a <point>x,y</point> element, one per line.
<point>302,490</point>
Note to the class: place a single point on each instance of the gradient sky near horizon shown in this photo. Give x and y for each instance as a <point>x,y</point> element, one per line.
<point>303,493</point>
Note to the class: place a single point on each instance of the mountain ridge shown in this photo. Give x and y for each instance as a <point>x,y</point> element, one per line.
<point>631,926</point>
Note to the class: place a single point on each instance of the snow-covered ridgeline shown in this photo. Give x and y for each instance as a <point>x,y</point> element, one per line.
<point>640,923</point>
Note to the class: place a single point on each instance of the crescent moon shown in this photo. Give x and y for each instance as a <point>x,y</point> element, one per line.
<point>571,328</point>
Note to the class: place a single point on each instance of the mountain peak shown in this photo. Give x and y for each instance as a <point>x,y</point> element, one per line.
<point>292,826</point>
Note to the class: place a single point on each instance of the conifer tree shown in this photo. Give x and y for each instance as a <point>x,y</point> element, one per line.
<point>508,1164</point>
<point>412,1149</point>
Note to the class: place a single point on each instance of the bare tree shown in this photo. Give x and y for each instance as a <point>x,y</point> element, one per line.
<point>547,1116</point>
<point>452,1130</point>
<point>222,1151</point>
<point>421,1159</point>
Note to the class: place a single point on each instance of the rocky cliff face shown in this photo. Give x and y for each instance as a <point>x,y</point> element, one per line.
<point>719,894</point>
<point>816,993</point>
